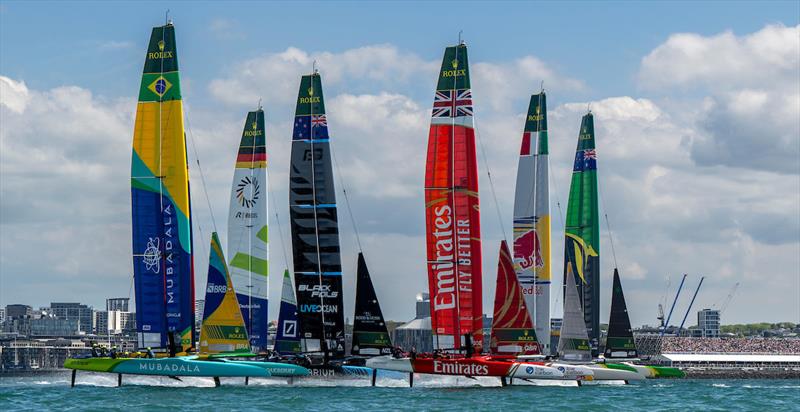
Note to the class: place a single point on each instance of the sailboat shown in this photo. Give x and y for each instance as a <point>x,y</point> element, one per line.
<point>512,328</point>
<point>620,350</point>
<point>315,237</point>
<point>247,229</point>
<point>574,350</point>
<point>223,334</point>
<point>453,240</point>
<point>582,233</point>
<point>223,329</point>
<point>162,235</point>
<point>287,337</point>
<point>370,335</point>
<point>532,260</point>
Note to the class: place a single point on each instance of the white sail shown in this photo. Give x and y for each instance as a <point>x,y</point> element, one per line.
<point>247,229</point>
<point>532,260</point>
<point>573,345</point>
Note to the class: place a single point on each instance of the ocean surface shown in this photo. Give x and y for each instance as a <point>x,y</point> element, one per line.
<point>99,392</point>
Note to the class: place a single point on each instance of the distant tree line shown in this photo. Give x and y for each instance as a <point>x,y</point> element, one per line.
<point>750,329</point>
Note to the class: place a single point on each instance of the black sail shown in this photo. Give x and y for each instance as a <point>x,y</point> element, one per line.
<point>315,232</point>
<point>370,336</point>
<point>620,342</point>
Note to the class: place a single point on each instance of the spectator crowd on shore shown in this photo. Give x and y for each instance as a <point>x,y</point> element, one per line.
<point>671,344</point>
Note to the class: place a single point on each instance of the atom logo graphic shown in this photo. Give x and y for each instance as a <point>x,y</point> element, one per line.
<point>152,255</point>
<point>248,191</point>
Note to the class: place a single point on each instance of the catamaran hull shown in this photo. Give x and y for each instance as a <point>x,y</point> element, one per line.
<point>466,367</point>
<point>275,369</point>
<point>602,372</point>
<point>573,372</point>
<point>339,372</point>
<point>651,372</point>
<point>166,367</point>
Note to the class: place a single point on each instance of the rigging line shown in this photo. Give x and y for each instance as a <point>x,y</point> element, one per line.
<point>346,199</point>
<point>452,160</point>
<point>280,227</point>
<point>314,201</point>
<point>199,168</point>
<point>608,225</point>
<point>491,183</point>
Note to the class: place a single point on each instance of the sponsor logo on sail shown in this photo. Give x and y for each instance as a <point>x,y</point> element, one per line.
<point>527,250</point>
<point>305,308</point>
<point>253,130</point>
<point>212,288</point>
<point>161,53</point>
<point>321,291</point>
<point>248,191</point>
<point>290,328</point>
<point>152,255</point>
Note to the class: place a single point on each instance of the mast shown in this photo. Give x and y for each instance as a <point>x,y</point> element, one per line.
<point>620,342</point>
<point>314,224</point>
<point>512,327</point>
<point>452,213</point>
<point>287,338</point>
<point>532,260</point>
<point>161,218</point>
<point>223,328</point>
<point>247,229</point>
<point>582,242</point>
<point>370,336</point>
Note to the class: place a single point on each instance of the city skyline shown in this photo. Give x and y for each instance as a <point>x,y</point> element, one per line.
<point>696,126</point>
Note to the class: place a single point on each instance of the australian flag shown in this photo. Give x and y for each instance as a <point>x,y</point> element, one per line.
<point>585,160</point>
<point>305,125</point>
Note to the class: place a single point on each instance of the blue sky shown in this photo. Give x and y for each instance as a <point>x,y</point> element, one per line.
<point>698,149</point>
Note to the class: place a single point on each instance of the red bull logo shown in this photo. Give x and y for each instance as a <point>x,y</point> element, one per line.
<point>527,250</point>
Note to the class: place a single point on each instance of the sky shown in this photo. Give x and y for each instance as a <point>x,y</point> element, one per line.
<point>697,119</point>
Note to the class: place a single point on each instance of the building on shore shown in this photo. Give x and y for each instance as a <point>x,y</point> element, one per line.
<point>118,304</point>
<point>708,321</point>
<point>83,313</point>
<point>416,333</point>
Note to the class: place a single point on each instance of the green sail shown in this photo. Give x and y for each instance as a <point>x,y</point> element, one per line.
<point>582,242</point>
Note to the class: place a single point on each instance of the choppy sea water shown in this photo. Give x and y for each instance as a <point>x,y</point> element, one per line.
<point>99,392</point>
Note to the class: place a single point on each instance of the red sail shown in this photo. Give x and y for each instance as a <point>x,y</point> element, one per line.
<point>452,209</point>
<point>512,327</point>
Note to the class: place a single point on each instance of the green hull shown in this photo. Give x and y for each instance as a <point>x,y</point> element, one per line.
<point>650,372</point>
<point>179,366</point>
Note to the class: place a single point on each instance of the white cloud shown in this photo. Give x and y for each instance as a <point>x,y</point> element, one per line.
<point>498,84</point>
<point>751,118</point>
<point>687,59</point>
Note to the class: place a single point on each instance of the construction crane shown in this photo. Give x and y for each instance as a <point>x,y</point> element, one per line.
<point>666,323</point>
<point>680,328</point>
<point>728,299</point>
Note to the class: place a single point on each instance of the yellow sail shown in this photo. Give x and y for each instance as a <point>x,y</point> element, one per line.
<point>223,327</point>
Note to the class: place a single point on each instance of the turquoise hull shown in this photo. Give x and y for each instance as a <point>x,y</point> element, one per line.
<point>179,366</point>
<point>340,372</point>
<point>274,368</point>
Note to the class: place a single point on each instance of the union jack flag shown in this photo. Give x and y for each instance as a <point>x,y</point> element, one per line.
<point>452,103</point>
<point>320,120</point>
<point>585,159</point>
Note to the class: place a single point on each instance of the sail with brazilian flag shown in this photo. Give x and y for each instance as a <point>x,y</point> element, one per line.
<point>247,229</point>
<point>223,328</point>
<point>582,241</point>
<point>160,203</point>
<point>452,214</point>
